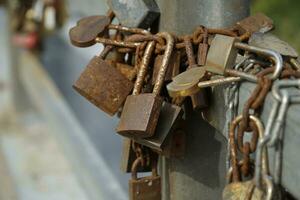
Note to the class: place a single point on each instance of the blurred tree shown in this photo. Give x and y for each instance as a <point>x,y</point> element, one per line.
<point>286,16</point>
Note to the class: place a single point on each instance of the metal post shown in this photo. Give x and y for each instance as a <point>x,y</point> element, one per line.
<point>201,173</point>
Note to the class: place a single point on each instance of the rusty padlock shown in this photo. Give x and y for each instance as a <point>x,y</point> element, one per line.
<point>203,49</point>
<point>87,29</point>
<point>103,85</point>
<point>146,188</point>
<point>141,112</point>
<point>255,23</point>
<point>168,121</point>
<point>129,156</point>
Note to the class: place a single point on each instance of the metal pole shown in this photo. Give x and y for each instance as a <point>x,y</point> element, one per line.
<point>201,173</point>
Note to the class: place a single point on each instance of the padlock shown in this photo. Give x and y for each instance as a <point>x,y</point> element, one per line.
<point>186,83</point>
<point>255,23</point>
<point>141,112</point>
<point>129,156</point>
<point>135,13</point>
<point>221,55</point>
<point>103,85</point>
<point>87,29</point>
<point>270,41</point>
<point>242,190</point>
<point>173,68</point>
<point>146,188</point>
<point>170,116</point>
<point>203,49</point>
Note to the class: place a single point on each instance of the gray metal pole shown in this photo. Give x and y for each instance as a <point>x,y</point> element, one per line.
<point>201,173</point>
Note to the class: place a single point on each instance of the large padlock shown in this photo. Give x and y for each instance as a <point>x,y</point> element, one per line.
<point>103,85</point>
<point>141,112</point>
<point>221,55</point>
<point>135,13</point>
<point>146,188</point>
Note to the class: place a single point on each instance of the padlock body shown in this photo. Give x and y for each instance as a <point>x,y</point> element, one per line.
<point>255,23</point>
<point>221,54</point>
<point>140,115</point>
<point>167,122</point>
<point>239,191</point>
<point>147,188</point>
<point>103,85</point>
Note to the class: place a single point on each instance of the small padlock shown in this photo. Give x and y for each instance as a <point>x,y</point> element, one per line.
<point>103,85</point>
<point>255,23</point>
<point>146,188</point>
<point>203,49</point>
<point>141,112</point>
<point>88,29</point>
<point>129,156</point>
<point>173,68</point>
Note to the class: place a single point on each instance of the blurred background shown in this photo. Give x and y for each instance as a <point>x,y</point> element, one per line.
<point>53,143</point>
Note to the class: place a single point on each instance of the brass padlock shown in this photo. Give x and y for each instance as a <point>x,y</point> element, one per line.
<point>141,112</point>
<point>146,188</point>
<point>221,55</point>
<point>242,191</point>
<point>103,85</point>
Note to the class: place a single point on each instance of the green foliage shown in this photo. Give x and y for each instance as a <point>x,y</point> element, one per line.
<point>286,16</point>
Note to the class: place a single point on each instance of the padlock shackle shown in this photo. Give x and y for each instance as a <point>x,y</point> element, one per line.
<point>170,42</point>
<point>276,57</point>
<point>143,68</point>
<point>129,29</point>
<point>138,162</point>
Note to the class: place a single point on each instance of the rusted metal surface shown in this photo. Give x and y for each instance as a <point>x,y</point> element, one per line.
<point>141,111</point>
<point>103,85</point>
<point>167,124</point>
<point>140,115</point>
<point>198,174</point>
<point>258,22</point>
<point>146,188</point>
<point>87,30</point>
<point>135,13</point>
<point>203,49</point>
